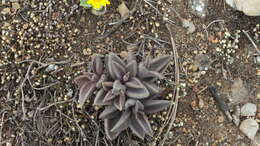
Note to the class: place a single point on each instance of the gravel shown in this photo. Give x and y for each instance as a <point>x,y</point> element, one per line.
<point>249,109</point>
<point>249,127</point>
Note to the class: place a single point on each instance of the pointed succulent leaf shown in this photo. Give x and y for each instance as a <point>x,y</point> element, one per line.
<point>136,127</point>
<point>160,64</point>
<point>137,93</point>
<point>153,106</point>
<point>117,59</point>
<point>108,124</point>
<point>119,102</point>
<point>118,88</point>
<point>144,73</point>
<point>97,65</point>
<point>124,119</point>
<point>109,96</point>
<point>85,92</point>
<point>138,107</point>
<point>129,103</point>
<point>134,83</point>
<point>118,70</point>
<point>132,68</point>
<point>109,112</point>
<point>100,97</point>
<point>107,85</point>
<point>152,87</point>
<point>147,61</point>
<point>102,79</point>
<point>82,79</point>
<point>142,119</point>
<point>109,60</point>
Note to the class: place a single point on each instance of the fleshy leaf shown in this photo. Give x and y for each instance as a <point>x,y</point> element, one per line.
<point>102,79</point>
<point>82,79</point>
<point>109,60</point>
<point>109,96</point>
<point>132,68</point>
<point>144,73</point>
<point>129,103</point>
<point>142,119</point>
<point>97,65</point>
<point>107,85</point>
<point>109,113</point>
<point>134,83</point>
<point>100,97</point>
<point>152,87</point>
<point>124,119</point>
<point>136,128</point>
<point>118,70</point>
<point>85,92</point>
<point>119,102</point>
<point>160,64</point>
<point>118,88</point>
<point>138,107</point>
<point>108,124</point>
<point>153,106</point>
<point>137,93</point>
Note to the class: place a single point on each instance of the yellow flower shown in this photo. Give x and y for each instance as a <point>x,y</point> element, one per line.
<point>98,4</point>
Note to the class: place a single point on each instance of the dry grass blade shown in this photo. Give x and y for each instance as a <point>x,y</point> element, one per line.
<point>173,108</point>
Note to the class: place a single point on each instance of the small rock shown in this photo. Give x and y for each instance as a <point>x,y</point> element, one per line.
<point>249,127</point>
<point>221,119</point>
<point>124,54</point>
<point>250,7</point>
<point>239,92</point>
<point>6,11</point>
<point>248,109</point>
<point>15,6</point>
<point>202,62</point>
<point>201,103</point>
<point>199,7</point>
<point>188,25</point>
<point>51,68</point>
<point>257,59</point>
<point>257,138</point>
<point>123,10</point>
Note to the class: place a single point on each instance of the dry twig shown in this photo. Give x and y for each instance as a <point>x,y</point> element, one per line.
<point>251,40</point>
<point>173,110</point>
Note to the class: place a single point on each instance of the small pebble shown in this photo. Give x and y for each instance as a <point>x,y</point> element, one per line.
<point>249,109</point>
<point>249,127</point>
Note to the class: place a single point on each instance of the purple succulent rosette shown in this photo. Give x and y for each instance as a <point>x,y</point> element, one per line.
<point>126,89</point>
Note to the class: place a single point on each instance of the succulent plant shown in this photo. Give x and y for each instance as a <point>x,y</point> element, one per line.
<point>126,89</point>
